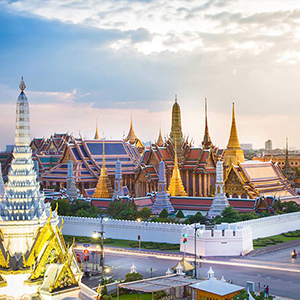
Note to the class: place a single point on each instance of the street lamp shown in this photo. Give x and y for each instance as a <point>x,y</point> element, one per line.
<point>95,236</point>
<point>195,248</point>
<point>139,235</point>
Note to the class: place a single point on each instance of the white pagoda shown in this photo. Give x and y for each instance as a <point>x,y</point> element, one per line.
<point>31,243</point>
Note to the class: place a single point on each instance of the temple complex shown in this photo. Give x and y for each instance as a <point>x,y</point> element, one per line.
<point>34,260</point>
<point>87,157</point>
<point>197,166</point>
<point>103,188</point>
<point>233,153</point>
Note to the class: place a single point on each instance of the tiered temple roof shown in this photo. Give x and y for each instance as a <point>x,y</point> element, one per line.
<point>254,179</point>
<point>87,157</point>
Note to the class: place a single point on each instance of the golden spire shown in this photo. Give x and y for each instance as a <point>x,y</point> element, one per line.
<point>233,142</point>
<point>22,85</point>
<point>176,187</point>
<point>103,188</point>
<point>176,131</point>
<point>233,153</point>
<point>206,144</point>
<point>131,137</point>
<point>97,137</point>
<point>160,140</point>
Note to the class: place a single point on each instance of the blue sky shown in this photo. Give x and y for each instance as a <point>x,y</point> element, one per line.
<point>85,60</point>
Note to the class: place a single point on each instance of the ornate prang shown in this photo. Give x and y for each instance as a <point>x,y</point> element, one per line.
<point>22,85</point>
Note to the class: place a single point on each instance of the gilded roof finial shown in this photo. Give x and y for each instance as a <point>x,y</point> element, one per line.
<point>206,139</point>
<point>175,98</point>
<point>22,85</point>
<point>97,137</point>
<point>233,142</point>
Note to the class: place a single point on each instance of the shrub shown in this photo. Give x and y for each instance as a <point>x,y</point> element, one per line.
<point>180,214</point>
<point>164,214</point>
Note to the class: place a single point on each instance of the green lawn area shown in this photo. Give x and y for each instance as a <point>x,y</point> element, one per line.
<point>276,239</point>
<point>135,296</point>
<point>124,243</point>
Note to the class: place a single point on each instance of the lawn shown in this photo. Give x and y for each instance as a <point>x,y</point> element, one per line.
<point>276,239</point>
<point>125,243</point>
<point>135,296</point>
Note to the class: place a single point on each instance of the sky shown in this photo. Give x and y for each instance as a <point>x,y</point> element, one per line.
<point>88,60</point>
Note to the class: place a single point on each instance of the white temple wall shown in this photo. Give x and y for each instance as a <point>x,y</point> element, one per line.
<point>223,240</point>
<point>125,230</point>
<point>171,233</point>
<point>273,225</point>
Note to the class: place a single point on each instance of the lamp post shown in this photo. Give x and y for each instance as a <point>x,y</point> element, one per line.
<point>195,246</point>
<point>96,235</point>
<point>139,235</point>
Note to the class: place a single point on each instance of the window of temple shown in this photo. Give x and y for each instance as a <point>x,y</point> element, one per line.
<point>244,196</point>
<point>235,195</point>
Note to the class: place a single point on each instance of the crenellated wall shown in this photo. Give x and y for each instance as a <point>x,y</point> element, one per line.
<point>221,240</point>
<point>264,227</point>
<point>123,229</point>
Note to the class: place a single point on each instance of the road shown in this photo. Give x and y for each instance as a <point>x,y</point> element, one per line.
<point>283,278</point>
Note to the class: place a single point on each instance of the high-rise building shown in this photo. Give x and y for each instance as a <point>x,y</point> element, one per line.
<point>268,145</point>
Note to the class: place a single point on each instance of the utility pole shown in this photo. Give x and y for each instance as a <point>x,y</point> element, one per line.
<point>102,251</point>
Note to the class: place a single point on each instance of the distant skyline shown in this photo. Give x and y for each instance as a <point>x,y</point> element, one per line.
<point>85,60</point>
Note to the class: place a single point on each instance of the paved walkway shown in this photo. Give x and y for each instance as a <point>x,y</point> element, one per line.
<point>274,248</point>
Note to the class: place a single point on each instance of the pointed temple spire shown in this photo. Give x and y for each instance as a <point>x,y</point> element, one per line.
<point>2,186</point>
<point>233,142</point>
<point>118,191</point>
<point>207,143</point>
<point>131,137</point>
<point>176,187</point>
<point>103,188</point>
<point>160,140</point>
<point>289,173</point>
<point>233,153</point>
<point>23,200</point>
<point>97,136</point>
<point>176,130</point>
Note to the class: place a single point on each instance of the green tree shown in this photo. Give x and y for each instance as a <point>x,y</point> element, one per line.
<point>248,216</point>
<point>104,289</point>
<point>133,277</point>
<point>164,214</point>
<point>64,208</point>
<point>145,213</point>
<point>119,210</point>
<point>228,215</point>
<point>180,214</point>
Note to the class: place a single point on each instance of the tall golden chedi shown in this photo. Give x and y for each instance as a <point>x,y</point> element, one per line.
<point>176,187</point>
<point>176,130</point>
<point>103,188</point>
<point>233,153</point>
<point>34,260</point>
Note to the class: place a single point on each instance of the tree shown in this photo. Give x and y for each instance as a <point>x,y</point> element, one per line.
<point>164,214</point>
<point>228,215</point>
<point>248,216</point>
<point>133,277</point>
<point>145,213</point>
<point>180,214</point>
<point>64,208</point>
<point>119,210</point>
